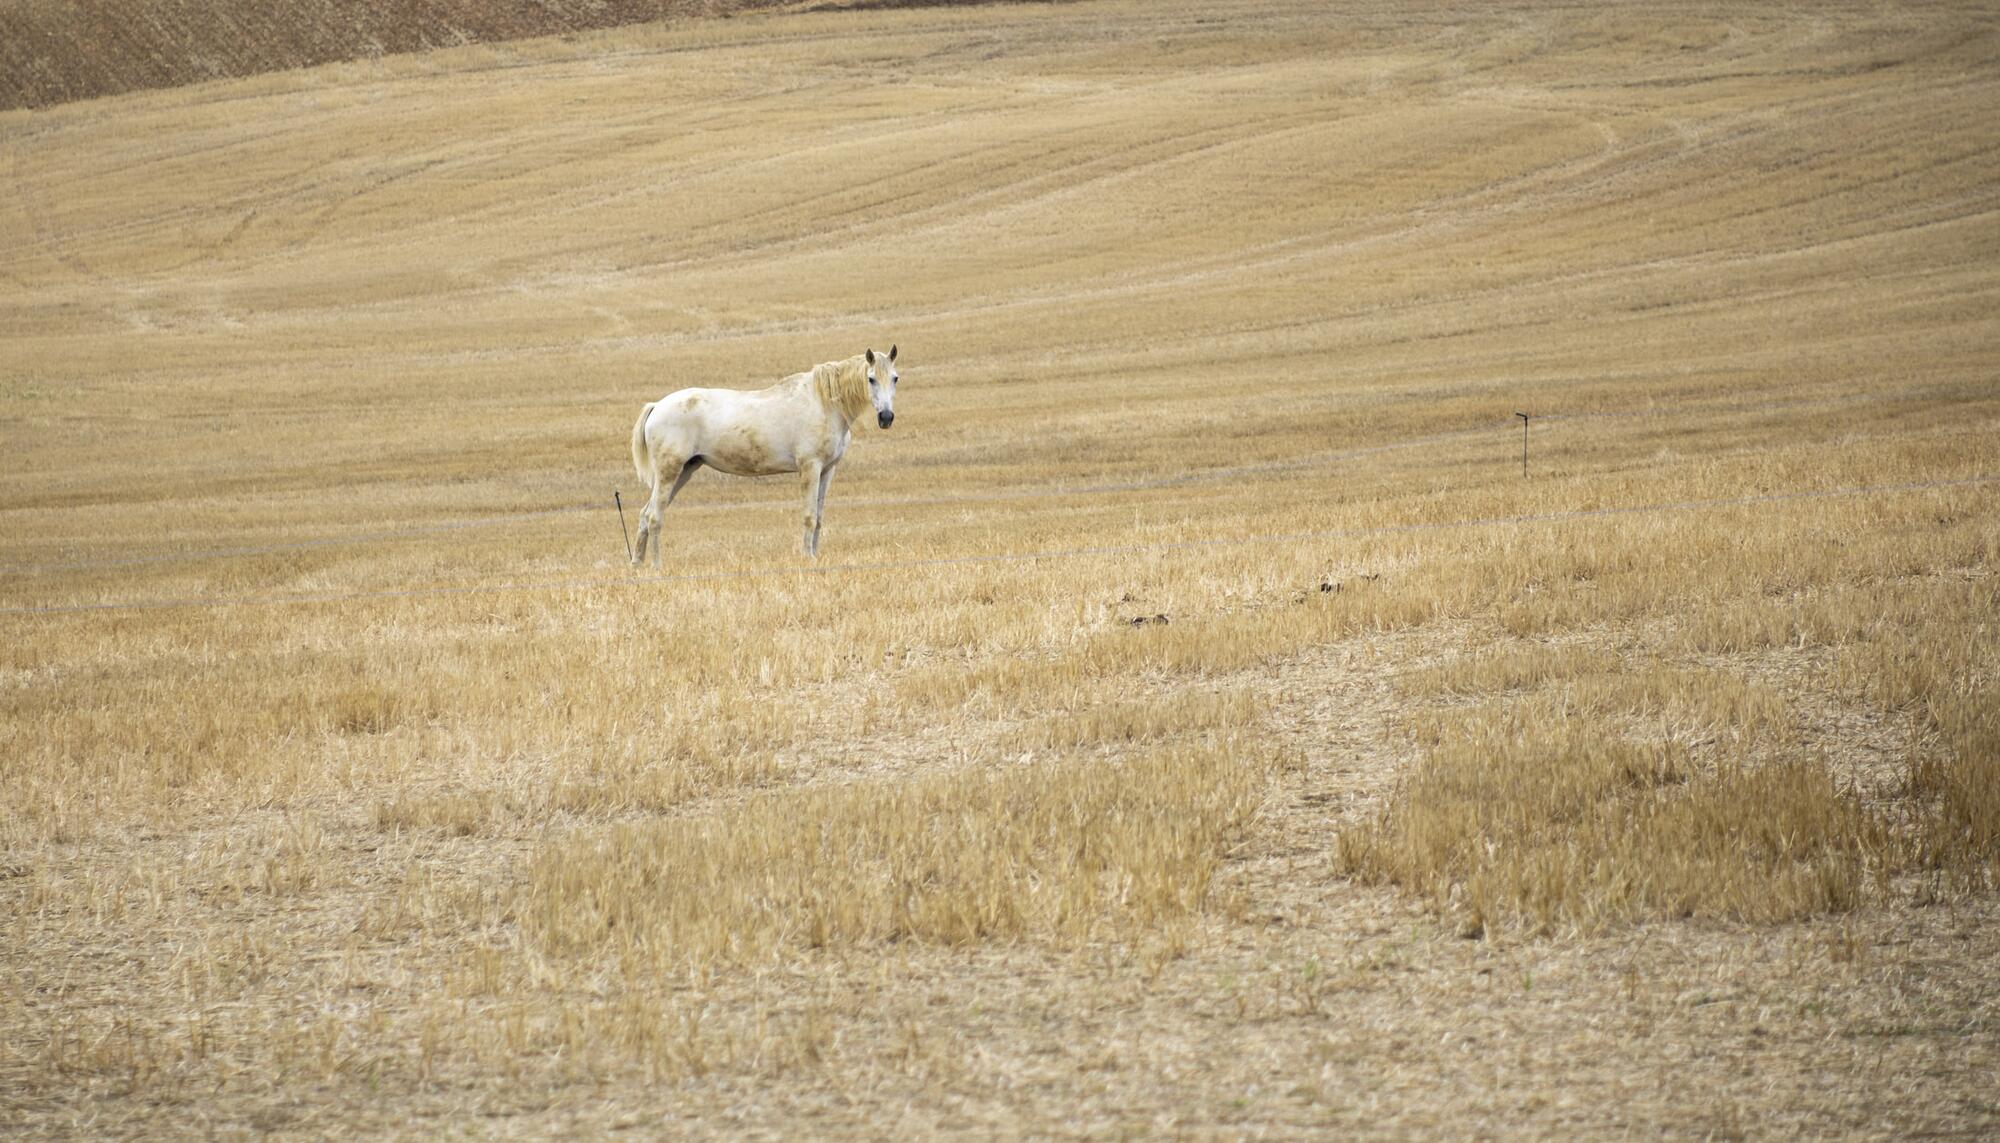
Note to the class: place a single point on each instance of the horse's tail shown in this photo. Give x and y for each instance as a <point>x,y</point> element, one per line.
<point>642,458</point>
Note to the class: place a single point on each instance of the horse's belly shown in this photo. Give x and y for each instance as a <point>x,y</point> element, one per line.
<point>744,450</point>
<point>749,466</point>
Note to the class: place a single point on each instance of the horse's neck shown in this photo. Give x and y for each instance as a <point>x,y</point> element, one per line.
<point>843,425</point>
<point>833,397</point>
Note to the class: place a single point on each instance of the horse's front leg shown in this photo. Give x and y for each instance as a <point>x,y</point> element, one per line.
<point>819,504</point>
<point>809,479</point>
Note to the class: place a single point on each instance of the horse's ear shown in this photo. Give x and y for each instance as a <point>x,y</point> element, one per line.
<point>871,356</point>
<point>892,353</point>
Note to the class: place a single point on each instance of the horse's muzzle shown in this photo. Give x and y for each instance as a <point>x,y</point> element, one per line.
<point>885,419</point>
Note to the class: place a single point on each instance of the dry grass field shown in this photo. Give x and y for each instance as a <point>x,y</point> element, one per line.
<point>353,783</point>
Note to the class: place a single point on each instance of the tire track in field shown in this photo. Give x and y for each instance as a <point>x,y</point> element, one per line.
<point>1593,179</point>
<point>1947,394</point>
<point>137,228</point>
<point>949,207</point>
<point>1571,179</point>
<point>64,245</point>
<point>1242,262</point>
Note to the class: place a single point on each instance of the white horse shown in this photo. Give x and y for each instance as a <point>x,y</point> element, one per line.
<point>802,424</point>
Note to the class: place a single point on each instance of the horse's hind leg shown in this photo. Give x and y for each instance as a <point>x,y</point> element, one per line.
<point>646,518</point>
<point>687,470</point>
<point>645,532</point>
<point>650,519</point>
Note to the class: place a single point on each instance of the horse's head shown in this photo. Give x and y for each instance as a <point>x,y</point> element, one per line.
<point>882,386</point>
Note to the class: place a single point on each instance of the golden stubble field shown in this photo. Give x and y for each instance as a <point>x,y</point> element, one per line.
<point>353,783</point>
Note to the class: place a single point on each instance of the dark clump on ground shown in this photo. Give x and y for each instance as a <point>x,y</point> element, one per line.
<point>57,52</point>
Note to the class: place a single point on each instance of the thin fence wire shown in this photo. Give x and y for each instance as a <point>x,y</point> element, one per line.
<point>1010,557</point>
<point>1050,491</point>
<point>247,550</point>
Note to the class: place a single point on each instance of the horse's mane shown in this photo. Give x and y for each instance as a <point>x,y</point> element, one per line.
<point>843,385</point>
